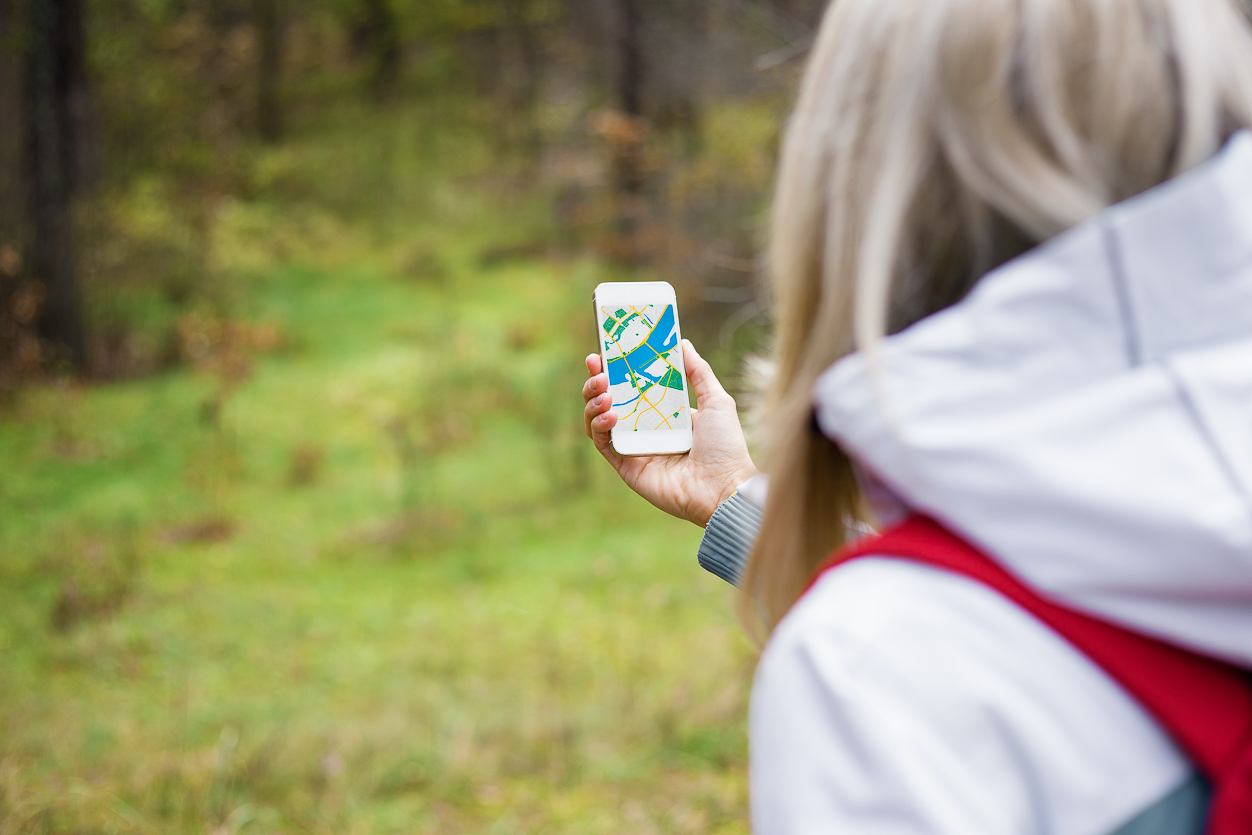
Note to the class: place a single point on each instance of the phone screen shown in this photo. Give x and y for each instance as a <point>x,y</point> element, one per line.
<point>644,359</point>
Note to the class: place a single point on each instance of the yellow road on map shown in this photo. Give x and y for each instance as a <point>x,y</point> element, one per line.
<point>641,351</point>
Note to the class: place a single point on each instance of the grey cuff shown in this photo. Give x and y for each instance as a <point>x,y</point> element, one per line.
<point>728,538</point>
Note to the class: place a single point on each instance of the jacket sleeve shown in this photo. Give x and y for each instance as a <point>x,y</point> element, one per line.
<point>731,532</point>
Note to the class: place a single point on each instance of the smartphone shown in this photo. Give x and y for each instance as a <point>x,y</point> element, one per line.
<point>641,348</point>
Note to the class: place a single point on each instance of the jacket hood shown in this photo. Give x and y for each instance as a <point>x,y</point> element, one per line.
<point>1085,413</point>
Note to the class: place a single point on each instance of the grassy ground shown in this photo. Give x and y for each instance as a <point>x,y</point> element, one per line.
<point>352,568</point>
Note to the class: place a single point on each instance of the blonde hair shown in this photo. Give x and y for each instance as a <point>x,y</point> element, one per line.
<point>932,141</point>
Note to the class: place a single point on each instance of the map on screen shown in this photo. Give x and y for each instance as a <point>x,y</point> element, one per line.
<point>643,355</point>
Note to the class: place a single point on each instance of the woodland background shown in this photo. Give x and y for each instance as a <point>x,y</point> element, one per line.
<point>298,528</point>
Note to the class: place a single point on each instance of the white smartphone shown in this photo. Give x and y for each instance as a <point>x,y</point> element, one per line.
<point>641,348</point>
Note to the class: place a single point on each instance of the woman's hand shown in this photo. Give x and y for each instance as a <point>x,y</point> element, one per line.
<point>689,486</point>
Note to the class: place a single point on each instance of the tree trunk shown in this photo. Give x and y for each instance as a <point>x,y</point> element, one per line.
<point>12,161</point>
<point>628,139</point>
<point>80,130</point>
<point>676,84</point>
<point>630,98</point>
<point>269,33</point>
<point>630,57</point>
<point>56,104</point>
<point>12,183</point>
<point>518,19</point>
<point>382,38</point>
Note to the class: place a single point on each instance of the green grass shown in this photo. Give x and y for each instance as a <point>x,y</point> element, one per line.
<point>373,579</point>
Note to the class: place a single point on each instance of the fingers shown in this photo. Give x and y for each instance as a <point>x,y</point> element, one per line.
<point>599,420</point>
<point>602,423</point>
<point>595,385</point>
<point>598,417</point>
<point>597,402</point>
<point>704,382</point>
<point>596,406</point>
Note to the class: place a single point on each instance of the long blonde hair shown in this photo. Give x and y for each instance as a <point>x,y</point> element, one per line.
<point>932,141</point>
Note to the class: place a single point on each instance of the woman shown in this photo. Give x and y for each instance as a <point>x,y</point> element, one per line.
<point>1077,409</point>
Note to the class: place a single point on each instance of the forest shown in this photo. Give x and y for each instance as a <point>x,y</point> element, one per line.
<point>299,531</point>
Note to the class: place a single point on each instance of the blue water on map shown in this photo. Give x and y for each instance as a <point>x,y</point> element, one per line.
<point>663,338</point>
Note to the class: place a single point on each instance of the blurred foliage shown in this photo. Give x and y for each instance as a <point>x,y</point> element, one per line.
<point>175,118</point>
<point>320,545</point>
<point>451,622</point>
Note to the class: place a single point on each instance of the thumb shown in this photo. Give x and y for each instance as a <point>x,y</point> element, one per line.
<point>704,382</point>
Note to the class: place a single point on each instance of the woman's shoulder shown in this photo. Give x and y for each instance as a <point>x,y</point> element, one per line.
<point>907,690</point>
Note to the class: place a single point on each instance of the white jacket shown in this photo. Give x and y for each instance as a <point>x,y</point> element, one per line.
<point>1085,416</point>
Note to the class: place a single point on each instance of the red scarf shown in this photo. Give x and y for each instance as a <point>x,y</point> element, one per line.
<point>1205,705</point>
